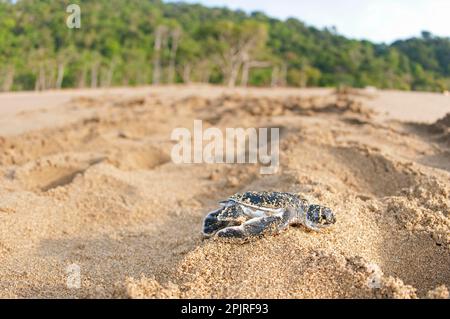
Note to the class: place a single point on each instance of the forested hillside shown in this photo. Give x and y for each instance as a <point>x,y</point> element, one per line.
<point>137,42</point>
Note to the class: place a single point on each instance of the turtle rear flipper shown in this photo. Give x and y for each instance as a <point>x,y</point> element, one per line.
<point>232,213</point>
<point>211,224</point>
<point>258,226</point>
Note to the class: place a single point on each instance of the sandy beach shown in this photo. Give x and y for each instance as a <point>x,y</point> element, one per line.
<point>86,179</point>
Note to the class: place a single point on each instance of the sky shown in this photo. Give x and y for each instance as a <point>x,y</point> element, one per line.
<point>375,20</point>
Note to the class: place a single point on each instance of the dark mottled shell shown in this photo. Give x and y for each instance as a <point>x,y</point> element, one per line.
<point>268,200</point>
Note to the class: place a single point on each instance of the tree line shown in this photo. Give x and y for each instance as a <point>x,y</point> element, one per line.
<point>137,42</point>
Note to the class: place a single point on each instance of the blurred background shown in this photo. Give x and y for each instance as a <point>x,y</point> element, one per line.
<point>248,43</point>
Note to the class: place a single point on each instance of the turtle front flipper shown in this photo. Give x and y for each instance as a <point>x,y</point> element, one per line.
<point>259,226</point>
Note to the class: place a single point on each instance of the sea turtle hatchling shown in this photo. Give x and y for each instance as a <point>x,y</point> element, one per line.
<point>250,214</point>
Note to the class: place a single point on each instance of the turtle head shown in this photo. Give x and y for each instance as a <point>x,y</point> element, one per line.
<point>318,217</point>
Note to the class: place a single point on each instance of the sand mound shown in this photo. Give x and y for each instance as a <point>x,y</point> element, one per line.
<point>101,192</point>
<point>442,128</point>
<point>443,122</point>
<point>210,275</point>
<point>424,209</point>
<point>275,106</point>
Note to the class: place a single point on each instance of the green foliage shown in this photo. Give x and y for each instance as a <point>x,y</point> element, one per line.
<point>116,46</point>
